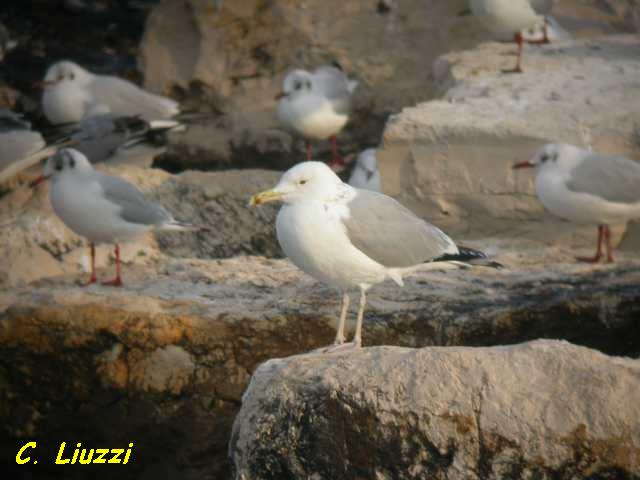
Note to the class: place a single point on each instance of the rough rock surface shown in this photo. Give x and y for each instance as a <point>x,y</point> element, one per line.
<point>544,409</point>
<point>450,159</point>
<point>41,246</point>
<point>164,361</point>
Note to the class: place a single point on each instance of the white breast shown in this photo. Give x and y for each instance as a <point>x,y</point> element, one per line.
<point>314,239</point>
<point>311,115</point>
<point>505,18</point>
<point>82,208</point>
<point>64,103</point>
<point>580,207</point>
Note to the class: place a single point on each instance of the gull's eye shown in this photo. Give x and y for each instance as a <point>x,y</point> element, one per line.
<point>72,162</point>
<point>72,76</point>
<point>60,77</point>
<point>544,158</point>
<point>58,165</point>
<point>302,182</point>
<point>297,85</point>
<point>308,84</point>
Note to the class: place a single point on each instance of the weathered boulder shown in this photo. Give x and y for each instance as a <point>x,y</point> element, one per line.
<point>449,159</point>
<point>163,362</point>
<point>545,409</point>
<point>38,245</point>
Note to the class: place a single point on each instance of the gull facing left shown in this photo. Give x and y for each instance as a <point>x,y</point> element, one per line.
<point>72,94</point>
<point>587,188</point>
<point>100,207</point>
<point>352,238</point>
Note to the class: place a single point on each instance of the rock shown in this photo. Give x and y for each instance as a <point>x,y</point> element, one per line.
<point>42,246</point>
<point>544,409</point>
<point>449,159</point>
<point>164,360</point>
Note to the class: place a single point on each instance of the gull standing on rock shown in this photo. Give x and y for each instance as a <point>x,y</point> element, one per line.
<point>587,188</point>
<point>100,207</point>
<point>508,19</point>
<point>351,238</point>
<point>316,105</point>
<point>72,94</point>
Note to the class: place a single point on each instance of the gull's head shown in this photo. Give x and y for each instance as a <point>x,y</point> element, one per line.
<point>296,83</point>
<point>306,181</point>
<point>66,161</point>
<point>557,156</point>
<point>66,72</point>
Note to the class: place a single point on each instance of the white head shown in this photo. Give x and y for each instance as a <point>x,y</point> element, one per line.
<point>560,157</point>
<point>66,161</point>
<point>66,72</point>
<point>303,182</point>
<point>367,161</point>
<point>296,83</point>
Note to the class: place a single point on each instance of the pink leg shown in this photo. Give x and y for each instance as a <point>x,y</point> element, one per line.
<point>518,68</point>
<point>545,38</point>
<point>309,150</point>
<point>598,255</point>
<point>607,241</point>
<point>336,159</point>
<point>116,282</point>
<point>93,278</point>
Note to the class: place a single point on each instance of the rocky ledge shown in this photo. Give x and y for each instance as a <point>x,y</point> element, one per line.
<point>165,360</point>
<point>544,409</point>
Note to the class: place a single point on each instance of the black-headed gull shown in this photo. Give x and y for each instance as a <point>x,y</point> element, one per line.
<point>351,238</point>
<point>316,105</point>
<point>587,188</point>
<point>72,94</point>
<point>99,207</point>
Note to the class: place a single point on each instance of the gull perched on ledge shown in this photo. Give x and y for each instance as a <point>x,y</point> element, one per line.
<point>351,238</point>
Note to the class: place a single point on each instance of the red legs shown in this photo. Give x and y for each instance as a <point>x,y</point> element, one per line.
<point>309,150</point>
<point>519,39</point>
<point>518,68</point>
<point>336,159</point>
<point>603,233</point>
<point>93,278</point>
<point>116,282</point>
<point>607,242</point>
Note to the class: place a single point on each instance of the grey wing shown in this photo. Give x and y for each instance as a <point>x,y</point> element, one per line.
<point>120,97</point>
<point>100,136</point>
<point>334,85</point>
<point>615,179</point>
<point>134,207</point>
<point>18,144</point>
<point>542,7</point>
<point>391,234</point>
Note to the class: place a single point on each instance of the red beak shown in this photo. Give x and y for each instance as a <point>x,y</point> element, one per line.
<point>279,95</point>
<point>525,164</point>
<point>38,180</point>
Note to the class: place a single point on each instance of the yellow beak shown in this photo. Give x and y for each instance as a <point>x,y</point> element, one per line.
<point>264,197</point>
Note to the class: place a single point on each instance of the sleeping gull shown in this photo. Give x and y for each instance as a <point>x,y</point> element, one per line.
<point>587,188</point>
<point>100,207</point>
<point>350,238</point>
<point>72,93</point>
<point>316,105</point>
<point>365,173</point>
<point>20,147</point>
<point>509,19</point>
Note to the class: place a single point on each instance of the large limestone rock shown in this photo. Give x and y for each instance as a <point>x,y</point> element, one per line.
<point>544,409</point>
<point>450,159</point>
<point>164,360</point>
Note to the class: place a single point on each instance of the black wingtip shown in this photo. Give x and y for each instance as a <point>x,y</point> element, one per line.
<point>470,256</point>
